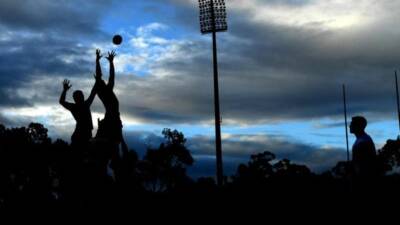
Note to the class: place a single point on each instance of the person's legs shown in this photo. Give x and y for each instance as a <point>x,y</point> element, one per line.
<point>79,170</point>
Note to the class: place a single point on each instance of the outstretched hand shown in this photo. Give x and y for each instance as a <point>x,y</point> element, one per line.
<point>66,85</point>
<point>98,54</point>
<point>111,56</point>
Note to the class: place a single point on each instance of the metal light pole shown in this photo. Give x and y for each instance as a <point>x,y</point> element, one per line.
<point>213,20</point>
<point>397,98</point>
<point>345,122</point>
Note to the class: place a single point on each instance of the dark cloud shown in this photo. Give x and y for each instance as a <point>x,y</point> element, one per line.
<point>140,141</point>
<point>10,99</point>
<point>34,59</point>
<point>52,16</point>
<point>240,147</point>
<point>44,39</point>
<point>252,91</point>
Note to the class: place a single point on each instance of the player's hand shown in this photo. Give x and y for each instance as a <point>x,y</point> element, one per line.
<point>111,56</point>
<point>98,54</point>
<point>66,85</point>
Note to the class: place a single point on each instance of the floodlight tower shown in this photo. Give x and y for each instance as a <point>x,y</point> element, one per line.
<point>213,20</point>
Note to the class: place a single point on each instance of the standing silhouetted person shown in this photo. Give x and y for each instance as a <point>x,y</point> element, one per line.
<point>364,154</point>
<point>81,112</point>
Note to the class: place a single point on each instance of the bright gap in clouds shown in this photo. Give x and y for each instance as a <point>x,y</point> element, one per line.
<point>143,48</point>
<point>329,14</point>
<point>324,133</point>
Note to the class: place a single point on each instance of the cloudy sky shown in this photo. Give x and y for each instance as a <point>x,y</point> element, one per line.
<point>282,66</point>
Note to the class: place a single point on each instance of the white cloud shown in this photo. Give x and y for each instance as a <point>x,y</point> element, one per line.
<point>149,28</point>
<point>146,49</point>
<point>326,14</point>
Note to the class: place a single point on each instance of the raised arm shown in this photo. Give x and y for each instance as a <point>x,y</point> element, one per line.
<point>111,79</point>
<point>92,95</point>
<point>66,87</point>
<point>98,67</point>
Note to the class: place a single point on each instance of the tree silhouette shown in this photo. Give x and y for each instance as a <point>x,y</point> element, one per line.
<point>164,169</point>
<point>36,171</point>
<point>342,169</point>
<point>38,133</point>
<point>389,156</point>
<point>257,170</point>
<point>285,168</point>
<point>261,171</point>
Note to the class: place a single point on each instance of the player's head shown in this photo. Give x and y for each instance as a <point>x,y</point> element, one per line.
<point>78,97</point>
<point>358,124</point>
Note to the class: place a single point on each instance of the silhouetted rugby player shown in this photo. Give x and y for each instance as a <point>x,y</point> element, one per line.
<point>111,126</point>
<point>364,153</point>
<point>81,112</point>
